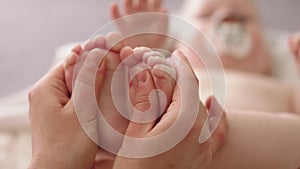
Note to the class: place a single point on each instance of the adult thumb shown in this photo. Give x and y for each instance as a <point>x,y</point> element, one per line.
<point>84,92</point>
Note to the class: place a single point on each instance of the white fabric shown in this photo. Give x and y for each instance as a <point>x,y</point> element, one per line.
<point>15,137</point>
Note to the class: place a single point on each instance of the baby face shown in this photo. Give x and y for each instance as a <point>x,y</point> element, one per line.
<point>205,12</point>
<point>234,28</point>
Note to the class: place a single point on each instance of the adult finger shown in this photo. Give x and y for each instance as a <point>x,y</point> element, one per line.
<point>84,96</point>
<point>51,87</point>
<point>216,122</point>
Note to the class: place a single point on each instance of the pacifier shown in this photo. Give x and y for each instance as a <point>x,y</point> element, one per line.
<point>230,37</point>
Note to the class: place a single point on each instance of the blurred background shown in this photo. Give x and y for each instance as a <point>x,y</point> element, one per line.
<point>31,30</point>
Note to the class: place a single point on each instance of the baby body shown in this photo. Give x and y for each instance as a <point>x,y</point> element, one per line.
<point>234,28</point>
<point>253,92</point>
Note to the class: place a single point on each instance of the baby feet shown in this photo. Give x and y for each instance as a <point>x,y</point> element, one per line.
<point>157,73</point>
<point>148,71</point>
<point>294,42</point>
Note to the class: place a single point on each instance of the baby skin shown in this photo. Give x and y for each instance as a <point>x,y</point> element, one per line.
<point>267,144</point>
<point>246,61</point>
<point>137,24</point>
<point>248,78</point>
<point>158,71</point>
<point>294,43</point>
<point>146,71</point>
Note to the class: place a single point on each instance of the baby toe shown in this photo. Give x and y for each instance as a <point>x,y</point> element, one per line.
<point>89,45</point>
<point>100,41</point>
<point>155,60</point>
<point>127,57</point>
<point>114,42</point>
<point>139,52</point>
<point>152,53</point>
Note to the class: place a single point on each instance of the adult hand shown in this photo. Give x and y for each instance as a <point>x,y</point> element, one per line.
<point>188,153</point>
<point>58,140</point>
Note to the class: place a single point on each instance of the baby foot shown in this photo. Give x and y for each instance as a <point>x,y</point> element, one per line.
<point>99,42</point>
<point>294,43</point>
<point>149,70</point>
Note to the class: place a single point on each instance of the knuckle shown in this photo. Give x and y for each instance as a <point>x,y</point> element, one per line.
<point>33,96</point>
<point>33,93</point>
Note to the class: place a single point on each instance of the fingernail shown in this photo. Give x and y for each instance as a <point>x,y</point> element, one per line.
<point>205,133</point>
<point>215,114</point>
